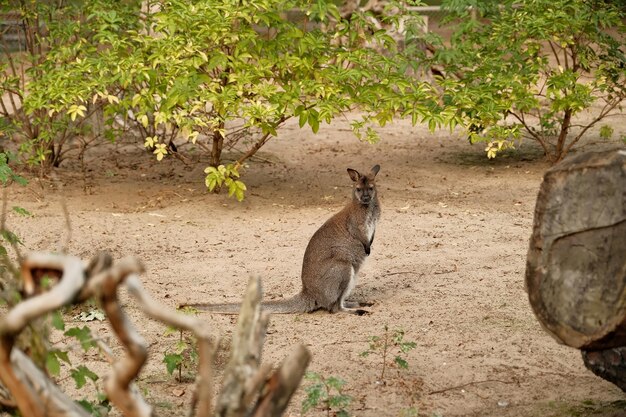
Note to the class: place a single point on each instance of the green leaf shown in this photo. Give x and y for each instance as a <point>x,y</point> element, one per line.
<point>64,356</point>
<point>52,364</point>
<point>20,180</point>
<point>52,361</point>
<point>339,401</point>
<point>181,347</point>
<point>83,335</point>
<point>10,237</point>
<point>606,132</point>
<point>407,346</point>
<point>22,211</point>
<point>80,375</point>
<point>401,362</point>
<point>172,362</point>
<point>336,383</point>
<point>314,121</point>
<point>314,394</point>
<point>304,117</point>
<point>88,406</point>
<point>57,320</point>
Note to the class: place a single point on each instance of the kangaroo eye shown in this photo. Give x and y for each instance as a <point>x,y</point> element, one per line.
<point>371,187</point>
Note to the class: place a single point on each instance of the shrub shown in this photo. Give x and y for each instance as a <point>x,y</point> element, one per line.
<point>532,70</point>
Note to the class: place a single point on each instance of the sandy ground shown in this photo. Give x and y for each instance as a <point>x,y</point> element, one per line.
<point>447,266</point>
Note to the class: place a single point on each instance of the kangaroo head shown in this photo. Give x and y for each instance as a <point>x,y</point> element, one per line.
<point>364,189</point>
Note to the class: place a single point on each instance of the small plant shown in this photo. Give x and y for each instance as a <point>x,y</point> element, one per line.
<point>388,344</point>
<point>409,412</point>
<point>184,354</point>
<point>81,374</point>
<point>7,175</point>
<point>545,70</point>
<point>326,392</point>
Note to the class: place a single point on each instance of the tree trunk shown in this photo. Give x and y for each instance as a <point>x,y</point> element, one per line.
<point>576,264</point>
<point>559,153</point>
<point>218,145</point>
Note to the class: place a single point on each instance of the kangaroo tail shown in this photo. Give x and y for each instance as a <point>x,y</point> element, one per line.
<point>299,303</point>
<point>225,308</point>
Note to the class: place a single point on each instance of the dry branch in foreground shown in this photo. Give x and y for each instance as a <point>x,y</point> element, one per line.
<point>249,388</point>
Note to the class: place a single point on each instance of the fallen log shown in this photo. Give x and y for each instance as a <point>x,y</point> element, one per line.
<point>576,263</point>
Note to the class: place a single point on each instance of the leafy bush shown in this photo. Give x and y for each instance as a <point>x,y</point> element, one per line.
<point>532,69</point>
<point>55,67</point>
<point>224,75</point>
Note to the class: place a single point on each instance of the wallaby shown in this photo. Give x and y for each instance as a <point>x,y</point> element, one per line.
<point>332,258</point>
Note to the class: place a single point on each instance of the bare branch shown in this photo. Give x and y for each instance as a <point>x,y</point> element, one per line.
<point>16,379</point>
<point>118,384</point>
<point>283,384</point>
<point>555,53</point>
<point>206,346</point>
<point>246,353</point>
<point>531,131</point>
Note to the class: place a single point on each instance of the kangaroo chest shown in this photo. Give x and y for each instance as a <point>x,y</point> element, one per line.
<point>370,225</point>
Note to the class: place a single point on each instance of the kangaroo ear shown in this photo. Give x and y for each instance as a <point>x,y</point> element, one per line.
<point>375,170</point>
<point>354,174</point>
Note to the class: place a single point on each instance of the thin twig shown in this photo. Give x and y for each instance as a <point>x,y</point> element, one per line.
<point>398,273</point>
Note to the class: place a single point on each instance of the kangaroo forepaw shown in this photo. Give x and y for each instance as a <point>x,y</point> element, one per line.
<point>361,312</point>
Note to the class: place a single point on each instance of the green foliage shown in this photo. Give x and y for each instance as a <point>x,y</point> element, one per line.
<point>531,70</point>
<point>327,393</point>
<point>100,408</point>
<point>56,320</point>
<point>390,343</point>
<point>184,353</point>
<point>62,36</point>
<point>409,412</point>
<point>225,175</point>
<point>82,335</point>
<point>218,74</point>
<point>53,365</point>
<point>7,175</point>
<point>606,131</point>
<point>80,375</point>
<point>172,362</point>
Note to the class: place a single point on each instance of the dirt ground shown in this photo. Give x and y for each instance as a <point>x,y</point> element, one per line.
<point>447,266</point>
